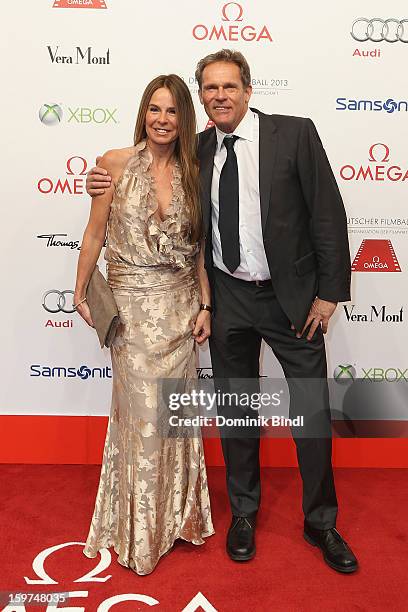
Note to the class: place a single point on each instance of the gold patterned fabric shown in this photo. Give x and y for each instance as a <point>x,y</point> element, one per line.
<point>152,489</point>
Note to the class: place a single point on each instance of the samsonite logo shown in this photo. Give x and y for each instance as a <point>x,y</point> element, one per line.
<point>52,114</point>
<point>389,105</point>
<point>83,372</point>
<point>232,27</point>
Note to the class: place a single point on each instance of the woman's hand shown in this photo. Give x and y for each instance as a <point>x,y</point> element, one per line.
<point>83,310</point>
<point>202,328</point>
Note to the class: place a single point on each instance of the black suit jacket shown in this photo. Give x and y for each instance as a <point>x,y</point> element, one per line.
<point>304,223</point>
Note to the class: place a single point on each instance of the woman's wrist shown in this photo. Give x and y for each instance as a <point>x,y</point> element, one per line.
<point>77,302</point>
<point>79,294</point>
<point>206,306</point>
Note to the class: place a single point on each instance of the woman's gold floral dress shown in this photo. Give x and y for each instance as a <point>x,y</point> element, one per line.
<point>152,489</point>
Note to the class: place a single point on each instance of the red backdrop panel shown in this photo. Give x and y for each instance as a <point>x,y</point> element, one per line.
<point>79,439</point>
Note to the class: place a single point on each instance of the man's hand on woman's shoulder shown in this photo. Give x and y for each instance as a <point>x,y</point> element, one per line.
<point>108,168</point>
<point>98,179</point>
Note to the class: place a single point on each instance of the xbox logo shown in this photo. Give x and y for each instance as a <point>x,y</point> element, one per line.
<point>50,114</point>
<point>344,373</point>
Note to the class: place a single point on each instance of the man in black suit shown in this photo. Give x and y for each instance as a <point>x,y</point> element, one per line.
<point>278,262</point>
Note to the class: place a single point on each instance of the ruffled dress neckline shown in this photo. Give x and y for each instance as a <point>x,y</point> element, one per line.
<point>164,237</point>
<point>176,186</point>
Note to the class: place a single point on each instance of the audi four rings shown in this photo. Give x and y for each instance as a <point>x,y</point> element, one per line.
<point>59,302</point>
<point>378,30</point>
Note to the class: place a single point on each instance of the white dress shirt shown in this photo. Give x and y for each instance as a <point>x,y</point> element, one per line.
<point>253,265</point>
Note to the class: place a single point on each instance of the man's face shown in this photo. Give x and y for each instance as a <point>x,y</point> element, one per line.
<point>223,94</point>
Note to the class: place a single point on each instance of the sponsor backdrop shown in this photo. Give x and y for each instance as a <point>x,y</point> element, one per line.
<point>74,82</point>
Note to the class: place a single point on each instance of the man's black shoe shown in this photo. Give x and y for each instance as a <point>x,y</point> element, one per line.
<point>336,551</point>
<point>241,538</point>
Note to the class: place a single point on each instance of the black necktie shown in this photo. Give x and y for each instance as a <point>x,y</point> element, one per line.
<point>228,200</point>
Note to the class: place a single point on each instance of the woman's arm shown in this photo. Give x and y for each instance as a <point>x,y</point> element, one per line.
<point>202,329</point>
<point>93,239</point>
<point>203,277</point>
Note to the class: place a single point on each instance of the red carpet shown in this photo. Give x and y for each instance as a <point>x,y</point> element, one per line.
<point>43,506</point>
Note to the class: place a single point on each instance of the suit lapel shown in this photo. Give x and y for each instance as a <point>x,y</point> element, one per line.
<point>268,146</point>
<point>206,155</point>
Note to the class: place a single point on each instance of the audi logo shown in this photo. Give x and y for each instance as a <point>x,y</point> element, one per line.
<point>377,30</point>
<point>58,303</point>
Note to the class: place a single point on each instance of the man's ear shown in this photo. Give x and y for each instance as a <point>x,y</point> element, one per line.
<point>200,95</point>
<point>248,93</point>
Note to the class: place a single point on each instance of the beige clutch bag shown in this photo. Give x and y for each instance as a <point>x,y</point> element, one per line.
<point>102,305</point>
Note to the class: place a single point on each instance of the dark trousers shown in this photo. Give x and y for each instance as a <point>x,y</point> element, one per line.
<point>244,315</point>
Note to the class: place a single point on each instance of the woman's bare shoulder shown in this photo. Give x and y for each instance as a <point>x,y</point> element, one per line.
<point>115,160</point>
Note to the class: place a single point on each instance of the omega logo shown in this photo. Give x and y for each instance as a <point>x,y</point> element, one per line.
<point>233,31</point>
<point>224,11</point>
<point>379,153</point>
<point>198,602</point>
<point>75,166</point>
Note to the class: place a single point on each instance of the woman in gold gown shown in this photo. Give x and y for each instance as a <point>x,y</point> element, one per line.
<point>152,489</point>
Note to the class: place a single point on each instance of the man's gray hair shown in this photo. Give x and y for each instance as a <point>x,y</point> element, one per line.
<point>225,55</point>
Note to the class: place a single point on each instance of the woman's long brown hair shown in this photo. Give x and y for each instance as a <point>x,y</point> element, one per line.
<point>186,145</point>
